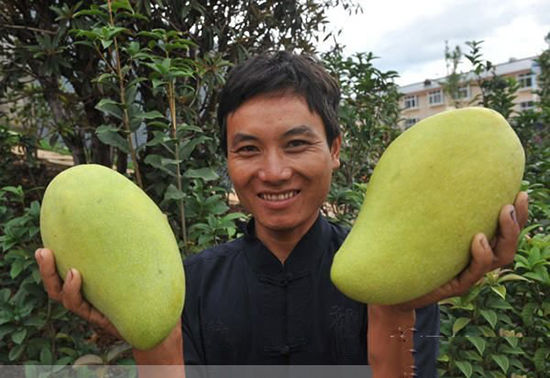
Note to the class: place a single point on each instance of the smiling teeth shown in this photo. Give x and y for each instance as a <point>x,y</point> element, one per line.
<point>278,197</point>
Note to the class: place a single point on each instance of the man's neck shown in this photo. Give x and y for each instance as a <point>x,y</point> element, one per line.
<point>282,242</point>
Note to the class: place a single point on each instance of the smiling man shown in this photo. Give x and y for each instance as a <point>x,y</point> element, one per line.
<point>266,298</point>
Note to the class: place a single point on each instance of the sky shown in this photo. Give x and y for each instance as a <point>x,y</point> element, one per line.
<point>409,36</point>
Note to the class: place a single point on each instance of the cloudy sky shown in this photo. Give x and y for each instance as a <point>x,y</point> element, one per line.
<point>409,36</point>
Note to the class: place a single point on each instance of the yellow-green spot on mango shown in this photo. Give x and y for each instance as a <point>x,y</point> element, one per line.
<point>102,224</point>
<point>437,185</point>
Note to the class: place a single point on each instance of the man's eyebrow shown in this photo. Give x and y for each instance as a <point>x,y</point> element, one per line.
<point>299,130</point>
<point>241,137</point>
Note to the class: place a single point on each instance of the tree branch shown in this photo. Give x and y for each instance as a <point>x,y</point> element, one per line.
<point>29,28</point>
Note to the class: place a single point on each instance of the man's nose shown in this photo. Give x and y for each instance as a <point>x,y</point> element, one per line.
<point>275,169</point>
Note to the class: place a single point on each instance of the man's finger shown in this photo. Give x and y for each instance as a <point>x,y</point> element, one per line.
<point>522,212</point>
<point>46,264</point>
<point>481,263</point>
<point>73,300</point>
<point>71,297</point>
<point>507,239</point>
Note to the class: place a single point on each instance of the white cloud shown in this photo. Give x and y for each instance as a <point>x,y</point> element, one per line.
<point>409,37</point>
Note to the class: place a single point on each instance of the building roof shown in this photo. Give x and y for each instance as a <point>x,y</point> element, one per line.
<point>514,65</point>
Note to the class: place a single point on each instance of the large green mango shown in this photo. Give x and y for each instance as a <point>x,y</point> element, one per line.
<point>437,185</point>
<point>102,224</point>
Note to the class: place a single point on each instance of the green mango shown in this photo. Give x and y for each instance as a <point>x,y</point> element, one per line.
<point>102,224</point>
<point>437,185</point>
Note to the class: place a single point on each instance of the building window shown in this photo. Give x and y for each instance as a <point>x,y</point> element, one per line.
<point>435,97</point>
<point>410,102</point>
<point>462,93</point>
<point>526,80</point>
<point>410,121</point>
<point>525,105</point>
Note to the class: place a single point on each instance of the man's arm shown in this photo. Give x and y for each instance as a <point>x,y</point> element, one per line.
<point>390,341</point>
<point>387,324</point>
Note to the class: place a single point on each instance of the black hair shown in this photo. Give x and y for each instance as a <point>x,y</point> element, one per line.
<point>281,72</point>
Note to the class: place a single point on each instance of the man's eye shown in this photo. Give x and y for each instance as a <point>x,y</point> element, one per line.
<point>247,149</point>
<point>297,143</point>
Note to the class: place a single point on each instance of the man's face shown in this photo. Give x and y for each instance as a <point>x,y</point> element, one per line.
<point>279,161</point>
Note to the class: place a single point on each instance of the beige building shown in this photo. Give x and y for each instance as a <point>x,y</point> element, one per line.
<point>421,100</point>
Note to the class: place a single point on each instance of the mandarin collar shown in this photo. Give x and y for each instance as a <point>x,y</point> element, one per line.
<point>301,258</point>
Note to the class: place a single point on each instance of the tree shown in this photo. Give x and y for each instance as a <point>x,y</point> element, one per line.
<point>369,113</point>
<point>455,80</point>
<point>37,44</point>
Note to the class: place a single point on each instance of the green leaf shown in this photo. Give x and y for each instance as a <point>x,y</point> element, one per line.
<point>5,295</point>
<point>188,146</point>
<point>19,335</point>
<point>46,357</point>
<point>465,367</point>
<point>116,351</point>
<point>16,352</point>
<point>207,174</point>
<point>121,4</point>
<point>506,349</point>
<point>471,355</point>
<point>490,316</point>
<point>486,331</point>
<point>158,162</point>
<point>512,340</point>
<point>151,115</point>
<point>5,317</point>
<point>527,313</point>
<point>109,135</point>
<point>540,358</point>
<point>89,359</point>
<point>16,268</point>
<point>512,277</point>
<point>173,193</point>
<point>459,324</point>
<point>500,290</point>
<point>130,94</point>
<point>479,343</point>
<point>110,107</point>
<point>502,361</point>
<point>105,43</point>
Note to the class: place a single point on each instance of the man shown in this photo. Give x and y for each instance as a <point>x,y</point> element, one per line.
<point>266,298</point>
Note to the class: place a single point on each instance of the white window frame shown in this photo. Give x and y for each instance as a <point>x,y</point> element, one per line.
<point>410,102</point>
<point>433,95</point>
<point>463,93</point>
<point>523,78</point>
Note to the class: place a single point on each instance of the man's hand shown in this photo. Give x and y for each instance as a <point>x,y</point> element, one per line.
<point>68,293</point>
<point>390,334</point>
<point>485,256</point>
<point>168,352</point>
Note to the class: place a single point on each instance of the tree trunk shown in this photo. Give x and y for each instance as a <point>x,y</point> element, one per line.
<point>73,141</point>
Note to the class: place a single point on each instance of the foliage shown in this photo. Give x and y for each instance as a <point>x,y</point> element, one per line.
<point>452,83</point>
<point>497,92</point>
<point>33,329</point>
<point>501,327</point>
<point>369,112</point>
<point>113,79</point>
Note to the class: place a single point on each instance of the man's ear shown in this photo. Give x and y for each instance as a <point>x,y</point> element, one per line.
<point>335,151</point>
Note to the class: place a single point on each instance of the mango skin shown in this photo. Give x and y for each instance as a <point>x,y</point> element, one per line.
<point>437,185</point>
<point>102,224</point>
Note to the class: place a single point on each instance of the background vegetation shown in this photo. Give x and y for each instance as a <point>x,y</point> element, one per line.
<point>133,85</point>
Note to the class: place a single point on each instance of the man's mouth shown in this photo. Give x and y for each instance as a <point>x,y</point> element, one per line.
<point>278,196</point>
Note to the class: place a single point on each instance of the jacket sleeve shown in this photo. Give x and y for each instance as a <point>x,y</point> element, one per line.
<point>426,340</point>
<point>193,351</point>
